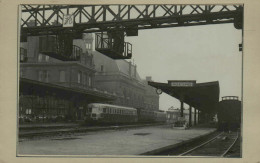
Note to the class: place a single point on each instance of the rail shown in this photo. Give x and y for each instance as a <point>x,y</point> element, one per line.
<point>208,142</point>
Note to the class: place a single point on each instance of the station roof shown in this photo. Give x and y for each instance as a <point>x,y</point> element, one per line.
<point>202,96</point>
<point>33,87</point>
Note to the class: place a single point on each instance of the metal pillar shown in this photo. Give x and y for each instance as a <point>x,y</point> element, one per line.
<point>181,100</point>
<point>195,116</point>
<point>181,108</point>
<point>198,116</point>
<point>190,114</point>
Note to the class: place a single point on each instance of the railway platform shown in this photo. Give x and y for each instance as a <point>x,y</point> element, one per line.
<point>123,142</point>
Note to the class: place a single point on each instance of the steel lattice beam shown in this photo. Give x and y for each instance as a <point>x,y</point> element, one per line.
<point>39,19</point>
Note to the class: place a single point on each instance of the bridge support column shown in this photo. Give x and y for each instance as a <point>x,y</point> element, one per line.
<point>181,108</point>
<point>181,100</point>
<point>199,116</point>
<point>190,114</point>
<point>195,115</point>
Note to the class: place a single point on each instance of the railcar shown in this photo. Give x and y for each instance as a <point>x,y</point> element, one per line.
<point>159,116</point>
<point>106,113</point>
<point>229,113</point>
<point>145,115</point>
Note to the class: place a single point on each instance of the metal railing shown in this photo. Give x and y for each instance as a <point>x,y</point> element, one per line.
<point>57,48</point>
<point>115,48</point>
<point>230,98</point>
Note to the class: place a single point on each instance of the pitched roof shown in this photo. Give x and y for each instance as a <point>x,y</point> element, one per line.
<point>111,65</point>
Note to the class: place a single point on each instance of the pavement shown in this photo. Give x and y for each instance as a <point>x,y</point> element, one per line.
<point>124,142</point>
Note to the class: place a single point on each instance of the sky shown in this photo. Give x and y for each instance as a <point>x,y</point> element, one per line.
<point>202,53</point>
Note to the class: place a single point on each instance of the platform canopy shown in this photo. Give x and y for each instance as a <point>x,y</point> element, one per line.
<point>202,96</point>
<point>32,87</point>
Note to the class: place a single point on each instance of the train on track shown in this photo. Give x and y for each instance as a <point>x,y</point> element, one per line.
<point>229,114</point>
<point>114,114</point>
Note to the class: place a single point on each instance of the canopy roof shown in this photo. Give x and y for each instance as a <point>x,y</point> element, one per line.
<point>202,96</point>
<point>32,87</point>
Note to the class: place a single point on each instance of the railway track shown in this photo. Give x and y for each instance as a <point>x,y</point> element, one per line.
<point>218,146</point>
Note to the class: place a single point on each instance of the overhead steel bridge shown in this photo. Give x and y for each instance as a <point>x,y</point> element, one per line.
<point>96,18</point>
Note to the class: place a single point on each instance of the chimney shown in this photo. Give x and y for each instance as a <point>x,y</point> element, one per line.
<point>148,78</point>
<point>88,39</point>
<point>31,23</point>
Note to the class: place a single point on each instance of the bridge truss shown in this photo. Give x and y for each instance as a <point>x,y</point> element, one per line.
<point>96,18</point>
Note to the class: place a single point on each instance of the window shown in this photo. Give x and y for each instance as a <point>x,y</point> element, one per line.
<point>89,81</point>
<point>88,46</point>
<point>40,76</point>
<point>43,76</point>
<point>47,58</point>
<point>40,57</point>
<point>28,111</point>
<point>79,76</point>
<point>102,68</point>
<point>62,76</point>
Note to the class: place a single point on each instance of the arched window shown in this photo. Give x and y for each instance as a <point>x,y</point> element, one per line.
<point>40,58</point>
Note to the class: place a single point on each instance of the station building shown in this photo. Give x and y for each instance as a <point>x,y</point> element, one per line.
<point>52,89</point>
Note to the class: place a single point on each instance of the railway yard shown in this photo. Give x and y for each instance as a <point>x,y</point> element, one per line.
<point>80,93</point>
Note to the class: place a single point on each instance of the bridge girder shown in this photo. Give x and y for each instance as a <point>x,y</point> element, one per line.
<point>47,19</point>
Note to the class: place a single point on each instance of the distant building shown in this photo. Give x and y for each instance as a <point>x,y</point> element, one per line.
<point>173,115</point>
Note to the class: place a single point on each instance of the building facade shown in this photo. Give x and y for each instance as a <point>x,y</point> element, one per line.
<point>76,75</point>
<point>65,88</point>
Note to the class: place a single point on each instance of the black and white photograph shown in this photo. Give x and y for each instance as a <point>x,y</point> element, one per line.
<point>130,80</point>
